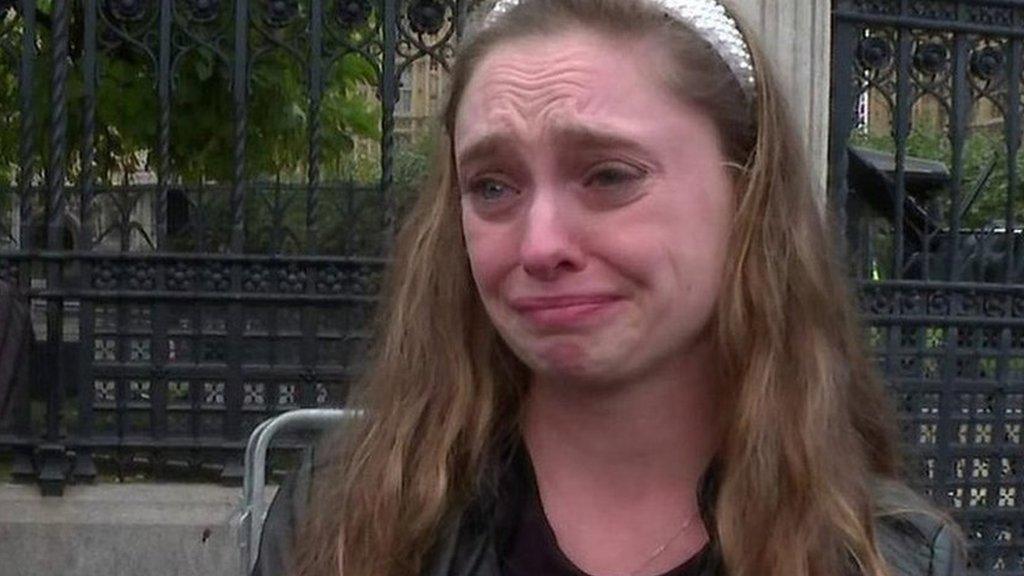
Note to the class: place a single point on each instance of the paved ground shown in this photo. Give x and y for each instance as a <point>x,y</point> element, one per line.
<point>117,529</point>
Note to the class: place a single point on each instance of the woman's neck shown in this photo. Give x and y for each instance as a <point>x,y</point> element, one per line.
<point>618,464</point>
<point>664,425</point>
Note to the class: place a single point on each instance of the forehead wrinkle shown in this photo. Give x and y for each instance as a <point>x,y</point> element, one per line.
<point>575,76</point>
<point>535,120</point>
<point>520,92</point>
<point>570,72</point>
<point>514,110</point>
<point>523,93</point>
<point>512,99</point>
<point>574,60</point>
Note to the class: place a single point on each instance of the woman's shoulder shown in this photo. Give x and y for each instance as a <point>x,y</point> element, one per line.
<point>913,535</point>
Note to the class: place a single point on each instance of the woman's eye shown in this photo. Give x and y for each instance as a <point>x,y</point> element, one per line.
<point>492,190</point>
<point>613,177</point>
<point>489,189</point>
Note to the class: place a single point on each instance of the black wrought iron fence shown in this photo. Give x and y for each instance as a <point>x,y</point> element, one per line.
<point>196,208</point>
<point>196,198</point>
<point>926,175</point>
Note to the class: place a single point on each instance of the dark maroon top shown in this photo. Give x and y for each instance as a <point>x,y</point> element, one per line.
<point>532,550</point>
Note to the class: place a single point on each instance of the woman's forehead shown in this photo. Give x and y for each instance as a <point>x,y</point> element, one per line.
<point>572,84</point>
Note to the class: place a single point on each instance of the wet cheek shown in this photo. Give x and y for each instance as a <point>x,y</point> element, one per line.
<point>634,256</point>
<point>487,260</point>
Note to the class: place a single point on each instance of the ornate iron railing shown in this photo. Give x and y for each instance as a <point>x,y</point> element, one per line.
<point>173,315</point>
<point>196,204</point>
<point>929,92</point>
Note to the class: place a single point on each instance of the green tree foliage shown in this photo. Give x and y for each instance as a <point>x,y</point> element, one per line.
<point>202,112</point>
<point>349,202</point>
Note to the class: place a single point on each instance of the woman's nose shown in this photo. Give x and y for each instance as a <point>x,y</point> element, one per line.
<point>550,244</point>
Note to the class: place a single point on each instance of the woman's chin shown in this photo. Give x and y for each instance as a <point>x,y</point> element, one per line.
<point>568,363</point>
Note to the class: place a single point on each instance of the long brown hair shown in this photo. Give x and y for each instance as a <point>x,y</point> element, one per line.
<point>443,390</point>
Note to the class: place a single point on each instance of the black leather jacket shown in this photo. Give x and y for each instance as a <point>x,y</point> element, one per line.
<point>913,543</point>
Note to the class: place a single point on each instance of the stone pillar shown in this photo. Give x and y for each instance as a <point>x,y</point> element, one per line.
<point>797,37</point>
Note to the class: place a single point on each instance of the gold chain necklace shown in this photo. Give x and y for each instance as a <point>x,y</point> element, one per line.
<point>653,555</point>
<point>661,549</point>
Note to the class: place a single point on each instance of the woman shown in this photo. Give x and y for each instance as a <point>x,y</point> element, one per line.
<point>613,342</point>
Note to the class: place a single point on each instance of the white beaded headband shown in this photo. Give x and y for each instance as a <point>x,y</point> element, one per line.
<point>708,18</point>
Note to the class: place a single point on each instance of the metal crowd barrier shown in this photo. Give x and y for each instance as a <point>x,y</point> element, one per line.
<point>254,483</point>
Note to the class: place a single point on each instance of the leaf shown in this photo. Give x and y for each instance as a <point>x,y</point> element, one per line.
<point>204,69</point>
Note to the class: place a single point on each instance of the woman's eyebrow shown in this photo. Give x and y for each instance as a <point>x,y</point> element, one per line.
<point>569,137</point>
<point>483,148</point>
<point>569,133</point>
<point>582,136</point>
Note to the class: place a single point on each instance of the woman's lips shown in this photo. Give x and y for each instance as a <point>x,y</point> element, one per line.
<point>563,311</point>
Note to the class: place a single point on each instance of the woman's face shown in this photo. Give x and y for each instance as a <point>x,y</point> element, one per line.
<point>595,206</point>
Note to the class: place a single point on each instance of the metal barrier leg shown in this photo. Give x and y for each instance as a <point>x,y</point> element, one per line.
<point>254,508</point>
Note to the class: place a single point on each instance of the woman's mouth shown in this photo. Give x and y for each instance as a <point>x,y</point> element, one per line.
<point>564,311</point>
